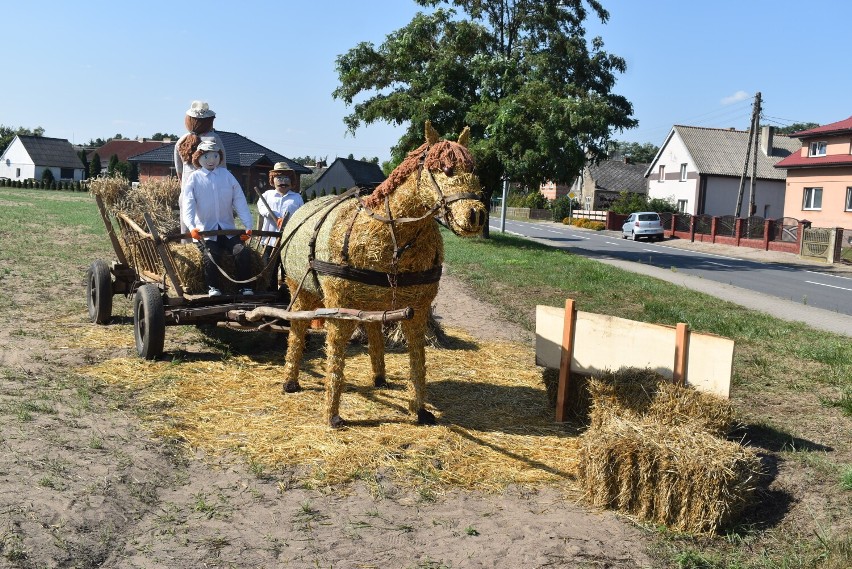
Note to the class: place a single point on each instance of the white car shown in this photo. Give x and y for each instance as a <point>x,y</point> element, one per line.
<point>643,224</point>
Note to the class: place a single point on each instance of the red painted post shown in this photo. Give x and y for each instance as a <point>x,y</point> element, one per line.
<point>738,230</point>
<point>713,229</point>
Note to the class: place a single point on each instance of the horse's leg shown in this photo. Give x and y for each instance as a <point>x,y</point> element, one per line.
<point>293,359</point>
<point>376,346</point>
<point>415,335</point>
<point>338,333</point>
<point>295,346</point>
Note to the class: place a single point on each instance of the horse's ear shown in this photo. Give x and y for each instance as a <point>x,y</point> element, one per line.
<point>464,137</point>
<point>431,134</point>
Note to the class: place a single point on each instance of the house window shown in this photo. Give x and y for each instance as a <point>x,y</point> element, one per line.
<point>17,172</point>
<point>662,174</point>
<point>817,149</point>
<point>681,205</point>
<point>683,172</point>
<point>812,198</point>
<point>848,199</point>
<point>66,173</point>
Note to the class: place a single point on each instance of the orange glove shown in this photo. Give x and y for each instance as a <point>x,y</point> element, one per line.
<point>196,234</point>
<point>280,222</point>
<point>246,236</point>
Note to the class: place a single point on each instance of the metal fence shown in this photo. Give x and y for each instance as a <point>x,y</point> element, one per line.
<point>704,224</point>
<point>786,229</point>
<point>726,225</point>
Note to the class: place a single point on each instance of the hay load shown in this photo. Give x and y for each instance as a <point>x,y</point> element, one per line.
<point>688,480</point>
<point>657,451</point>
<point>159,197</point>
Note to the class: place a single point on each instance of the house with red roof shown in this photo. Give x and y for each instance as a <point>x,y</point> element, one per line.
<point>819,176</point>
<point>124,149</point>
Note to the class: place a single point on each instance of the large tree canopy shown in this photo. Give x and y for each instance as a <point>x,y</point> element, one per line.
<point>535,92</point>
<point>7,134</point>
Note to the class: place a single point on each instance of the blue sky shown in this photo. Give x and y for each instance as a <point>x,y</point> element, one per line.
<point>84,70</point>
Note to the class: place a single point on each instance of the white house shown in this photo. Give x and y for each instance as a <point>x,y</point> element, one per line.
<point>29,156</point>
<point>700,169</point>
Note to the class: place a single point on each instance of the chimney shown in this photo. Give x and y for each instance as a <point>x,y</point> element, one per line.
<point>766,135</point>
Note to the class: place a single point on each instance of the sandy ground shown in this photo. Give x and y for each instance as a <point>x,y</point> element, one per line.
<point>82,484</point>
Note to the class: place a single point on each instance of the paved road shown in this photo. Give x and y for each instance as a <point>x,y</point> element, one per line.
<point>780,284</point>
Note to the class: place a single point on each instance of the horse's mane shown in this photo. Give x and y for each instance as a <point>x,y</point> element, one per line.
<point>442,155</point>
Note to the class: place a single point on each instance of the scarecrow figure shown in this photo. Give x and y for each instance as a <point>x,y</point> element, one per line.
<point>208,200</point>
<point>276,206</point>
<point>199,124</point>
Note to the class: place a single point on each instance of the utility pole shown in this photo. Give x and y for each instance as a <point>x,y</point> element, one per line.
<point>752,134</point>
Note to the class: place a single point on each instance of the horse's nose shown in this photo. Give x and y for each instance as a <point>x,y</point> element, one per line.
<point>476,217</point>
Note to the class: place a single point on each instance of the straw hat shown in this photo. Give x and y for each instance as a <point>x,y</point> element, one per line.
<point>281,167</point>
<point>200,110</point>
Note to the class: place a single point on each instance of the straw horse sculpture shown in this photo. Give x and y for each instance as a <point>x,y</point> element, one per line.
<point>380,252</point>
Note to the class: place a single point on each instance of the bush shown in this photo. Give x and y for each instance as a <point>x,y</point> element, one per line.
<point>561,207</point>
<point>47,176</point>
<point>536,200</point>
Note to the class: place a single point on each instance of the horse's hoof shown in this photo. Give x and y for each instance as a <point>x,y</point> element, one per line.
<point>292,387</point>
<point>424,417</point>
<point>336,422</point>
<point>380,381</point>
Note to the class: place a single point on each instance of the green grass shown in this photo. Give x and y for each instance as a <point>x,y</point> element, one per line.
<point>799,369</point>
<point>807,374</point>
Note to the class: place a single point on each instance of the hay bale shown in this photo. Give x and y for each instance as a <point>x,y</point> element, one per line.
<point>684,478</point>
<point>634,393</point>
<point>578,394</point>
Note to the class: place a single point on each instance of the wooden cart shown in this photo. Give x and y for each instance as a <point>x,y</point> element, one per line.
<point>145,270</point>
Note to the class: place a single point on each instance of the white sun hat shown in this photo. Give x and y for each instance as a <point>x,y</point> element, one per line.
<point>200,110</point>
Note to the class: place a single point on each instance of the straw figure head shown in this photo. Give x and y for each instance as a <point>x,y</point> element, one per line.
<point>381,252</point>
<point>444,178</point>
<point>281,176</point>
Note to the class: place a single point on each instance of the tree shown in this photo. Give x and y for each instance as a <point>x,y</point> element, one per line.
<point>796,127</point>
<point>161,136</point>
<point>47,176</point>
<point>95,165</point>
<point>373,160</point>
<point>112,164</point>
<point>635,152</point>
<point>535,93</point>
<point>85,161</point>
<point>7,134</point>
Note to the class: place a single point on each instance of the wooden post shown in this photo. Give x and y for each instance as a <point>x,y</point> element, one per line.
<point>568,327</point>
<point>119,252</point>
<point>681,351</point>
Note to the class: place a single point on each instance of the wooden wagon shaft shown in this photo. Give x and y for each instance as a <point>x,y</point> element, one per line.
<point>333,313</point>
<point>266,327</point>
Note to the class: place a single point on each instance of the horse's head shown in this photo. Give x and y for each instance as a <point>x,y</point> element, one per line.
<point>445,173</point>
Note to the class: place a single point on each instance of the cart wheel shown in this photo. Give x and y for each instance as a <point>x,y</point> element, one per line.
<point>99,292</point>
<point>149,322</point>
